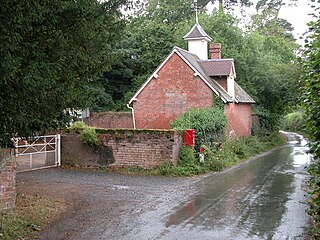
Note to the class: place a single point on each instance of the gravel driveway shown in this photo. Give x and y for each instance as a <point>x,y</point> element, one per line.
<point>106,205</point>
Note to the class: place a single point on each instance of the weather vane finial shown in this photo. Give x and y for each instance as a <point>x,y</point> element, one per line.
<point>196,9</point>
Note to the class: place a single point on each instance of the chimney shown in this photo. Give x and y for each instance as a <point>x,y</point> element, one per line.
<point>215,50</point>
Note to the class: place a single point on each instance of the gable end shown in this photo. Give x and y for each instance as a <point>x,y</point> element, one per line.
<point>155,75</point>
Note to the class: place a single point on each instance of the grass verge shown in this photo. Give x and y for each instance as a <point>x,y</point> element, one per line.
<point>31,214</point>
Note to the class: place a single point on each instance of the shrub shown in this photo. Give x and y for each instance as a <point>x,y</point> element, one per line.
<point>187,156</point>
<point>188,164</point>
<point>294,121</point>
<point>78,125</point>
<point>89,136</point>
<point>212,161</point>
<point>209,124</point>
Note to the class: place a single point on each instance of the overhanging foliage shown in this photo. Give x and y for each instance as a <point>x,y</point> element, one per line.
<point>50,50</point>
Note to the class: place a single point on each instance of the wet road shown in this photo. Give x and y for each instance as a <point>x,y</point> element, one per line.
<point>260,199</point>
<point>263,199</point>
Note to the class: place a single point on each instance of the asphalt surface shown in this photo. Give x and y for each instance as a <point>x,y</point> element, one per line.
<point>260,199</point>
<point>105,205</point>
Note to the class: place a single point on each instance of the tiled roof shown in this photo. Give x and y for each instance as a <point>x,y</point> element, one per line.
<point>241,95</point>
<point>194,61</point>
<point>196,32</point>
<point>210,68</point>
<point>217,67</point>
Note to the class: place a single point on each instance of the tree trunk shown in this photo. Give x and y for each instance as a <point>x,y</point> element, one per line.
<point>221,5</point>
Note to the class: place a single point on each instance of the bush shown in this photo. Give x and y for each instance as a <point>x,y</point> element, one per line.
<point>209,124</point>
<point>188,164</point>
<point>294,121</point>
<point>187,156</point>
<point>89,136</point>
<point>78,125</point>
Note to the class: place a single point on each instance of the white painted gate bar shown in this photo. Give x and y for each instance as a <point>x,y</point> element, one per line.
<point>38,152</point>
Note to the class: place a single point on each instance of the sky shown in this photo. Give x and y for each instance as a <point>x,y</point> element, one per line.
<point>297,15</point>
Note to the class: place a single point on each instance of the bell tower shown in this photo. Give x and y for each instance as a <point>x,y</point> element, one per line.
<point>198,39</point>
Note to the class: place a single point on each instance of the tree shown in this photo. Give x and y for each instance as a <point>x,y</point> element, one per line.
<point>264,63</point>
<point>311,77</point>
<point>148,38</point>
<point>230,3</point>
<point>49,50</point>
<point>109,91</point>
<point>311,62</point>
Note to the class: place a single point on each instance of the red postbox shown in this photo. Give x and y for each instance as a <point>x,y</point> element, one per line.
<point>189,137</point>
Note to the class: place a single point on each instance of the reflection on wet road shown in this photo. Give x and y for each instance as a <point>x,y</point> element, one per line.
<point>263,199</point>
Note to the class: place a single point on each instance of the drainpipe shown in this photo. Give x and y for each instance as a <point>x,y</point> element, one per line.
<point>133,119</point>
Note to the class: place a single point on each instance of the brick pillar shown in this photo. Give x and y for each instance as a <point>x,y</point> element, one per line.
<point>215,50</point>
<point>7,181</point>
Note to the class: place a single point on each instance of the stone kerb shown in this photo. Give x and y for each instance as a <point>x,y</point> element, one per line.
<point>8,180</point>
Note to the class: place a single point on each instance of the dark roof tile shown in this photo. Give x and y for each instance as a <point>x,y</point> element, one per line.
<point>196,32</point>
<point>217,67</point>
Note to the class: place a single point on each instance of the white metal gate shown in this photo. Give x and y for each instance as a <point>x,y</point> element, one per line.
<point>37,152</point>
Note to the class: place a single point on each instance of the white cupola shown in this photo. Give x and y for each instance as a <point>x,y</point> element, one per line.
<point>198,40</point>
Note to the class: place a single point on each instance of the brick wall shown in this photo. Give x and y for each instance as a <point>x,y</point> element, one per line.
<point>123,148</point>
<point>110,120</point>
<point>172,93</point>
<point>239,118</point>
<point>222,81</point>
<point>7,180</point>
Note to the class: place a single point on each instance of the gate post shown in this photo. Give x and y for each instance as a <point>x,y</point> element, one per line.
<point>58,146</point>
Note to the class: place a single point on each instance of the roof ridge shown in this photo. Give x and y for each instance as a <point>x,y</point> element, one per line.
<point>182,49</point>
<point>216,60</point>
<point>186,51</point>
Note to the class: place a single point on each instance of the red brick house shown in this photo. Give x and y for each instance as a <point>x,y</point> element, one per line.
<point>188,79</point>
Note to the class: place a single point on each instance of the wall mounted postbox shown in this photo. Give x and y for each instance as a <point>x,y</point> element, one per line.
<point>189,137</point>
